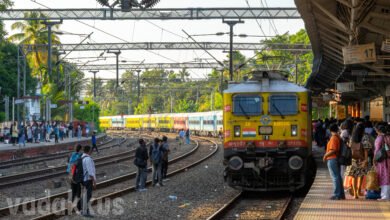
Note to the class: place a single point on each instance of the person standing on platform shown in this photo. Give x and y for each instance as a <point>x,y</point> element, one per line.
<point>330,157</point>
<point>89,179</point>
<point>345,136</point>
<point>14,133</point>
<point>383,167</point>
<point>56,133</point>
<point>70,128</point>
<point>29,134</point>
<point>22,136</point>
<point>87,130</point>
<point>93,141</point>
<point>358,169</point>
<point>187,136</point>
<point>141,161</point>
<point>79,132</point>
<point>165,152</point>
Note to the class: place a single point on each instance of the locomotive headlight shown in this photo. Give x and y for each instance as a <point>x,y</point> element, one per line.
<point>237,131</point>
<point>294,130</point>
<point>295,162</point>
<point>235,163</point>
<point>265,130</point>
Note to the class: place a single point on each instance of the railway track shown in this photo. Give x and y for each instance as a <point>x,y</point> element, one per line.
<point>105,187</point>
<point>38,175</point>
<point>46,157</point>
<point>242,206</point>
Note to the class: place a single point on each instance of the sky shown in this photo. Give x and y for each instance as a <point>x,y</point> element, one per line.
<point>158,31</point>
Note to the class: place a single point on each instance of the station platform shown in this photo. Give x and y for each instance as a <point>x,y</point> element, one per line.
<point>317,204</point>
<point>10,152</point>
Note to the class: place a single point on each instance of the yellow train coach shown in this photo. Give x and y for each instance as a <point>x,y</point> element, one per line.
<point>267,133</point>
<point>105,122</point>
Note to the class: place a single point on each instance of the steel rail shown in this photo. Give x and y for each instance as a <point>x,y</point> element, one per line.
<point>25,161</point>
<point>59,170</point>
<point>132,188</point>
<point>18,207</point>
<point>41,156</point>
<point>221,213</point>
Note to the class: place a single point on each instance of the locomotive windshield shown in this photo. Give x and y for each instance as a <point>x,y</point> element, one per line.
<point>247,105</point>
<point>283,105</point>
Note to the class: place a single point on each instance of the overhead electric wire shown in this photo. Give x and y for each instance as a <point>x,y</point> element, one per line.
<point>105,32</point>
<point>219,62</point>
<point>74,48</point>
<point>271,20</point>
<point>258,23</point>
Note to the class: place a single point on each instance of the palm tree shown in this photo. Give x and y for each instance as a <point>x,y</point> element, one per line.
<point>34,32</point>
<point>183,74</point>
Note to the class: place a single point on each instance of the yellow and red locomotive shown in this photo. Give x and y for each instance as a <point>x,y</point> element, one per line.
<point>267,133</point>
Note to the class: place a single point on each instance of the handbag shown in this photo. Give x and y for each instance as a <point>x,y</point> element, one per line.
<point>381,155</point>
<point>384,152</point>
<point>372,179</point>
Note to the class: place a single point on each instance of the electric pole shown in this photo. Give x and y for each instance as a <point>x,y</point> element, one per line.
<point>117,65</point>
<point>231,24</point>
<point>138,87</point>
<point>49,25</point>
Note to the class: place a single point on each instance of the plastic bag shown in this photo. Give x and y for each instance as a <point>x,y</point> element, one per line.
<point>372,180</point>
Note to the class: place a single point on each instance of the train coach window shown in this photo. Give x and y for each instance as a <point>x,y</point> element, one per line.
<point>247,105</point>
<point>283,105</point>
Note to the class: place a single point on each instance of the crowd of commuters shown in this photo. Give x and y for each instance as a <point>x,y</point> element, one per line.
<point>367,142</point>
<point>37,132</point>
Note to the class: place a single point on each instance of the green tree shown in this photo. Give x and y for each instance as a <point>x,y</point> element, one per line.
<point>34,32</point>
<point>88,113</point>
<point>4,4</point>
<point>8,74</point>
<point>286,60</point>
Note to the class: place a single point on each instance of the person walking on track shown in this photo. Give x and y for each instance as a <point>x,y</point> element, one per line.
<point>93,141</point>
<point>89,182</point>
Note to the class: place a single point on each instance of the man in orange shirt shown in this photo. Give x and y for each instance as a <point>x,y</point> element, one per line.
<point>332,152</point>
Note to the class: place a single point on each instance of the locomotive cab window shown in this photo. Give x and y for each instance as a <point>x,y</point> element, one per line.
<point>247,105</point>
<point>283,105</point>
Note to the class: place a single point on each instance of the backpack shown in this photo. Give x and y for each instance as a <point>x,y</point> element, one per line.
<point>78,171</point>
<point>156,154</point>
<point>357,151</point>
<point>345,154</point>
<point>72,161</point>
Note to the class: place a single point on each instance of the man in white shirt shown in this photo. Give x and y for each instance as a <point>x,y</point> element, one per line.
<point>89,179</point>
